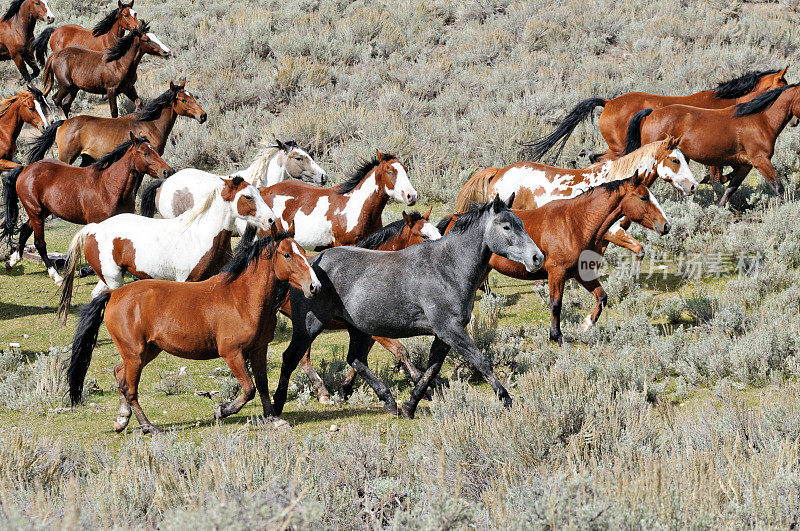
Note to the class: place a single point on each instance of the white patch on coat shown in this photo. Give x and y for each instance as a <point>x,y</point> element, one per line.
<point>683,180</point>
<point>58,279</point>
<point>198,182</point>
<point>14,259</point>
<point>311,230</point>
<point>587,323</point>
<point>355,202</point>
<point>158,42</point>
<point>41,113</point>
<point>403,190</point>
<point>430,231</point>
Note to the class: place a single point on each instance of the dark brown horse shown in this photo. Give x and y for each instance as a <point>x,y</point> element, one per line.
<point>26,106</point>
<point>77,195</point>
<point>91,137</point>
<point>110,72</point>
<point>16,33</point>
<point>102,36</point>
<point>232,317</point>
<point>742,136</point>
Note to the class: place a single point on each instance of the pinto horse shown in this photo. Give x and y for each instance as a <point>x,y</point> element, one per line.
<point>191,247</point>
<point>742,136</point>
<point>91,137</point>
<point>110,72</point>
<point>102,36</point>
<point>16,33</point>
<point>26,106</point>
<point>232,317</point>
<point>617,112</point>
<point>425,289</point>
<point>77,195</point>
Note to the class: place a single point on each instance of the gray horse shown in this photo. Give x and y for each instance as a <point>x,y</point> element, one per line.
<point>426,289</point>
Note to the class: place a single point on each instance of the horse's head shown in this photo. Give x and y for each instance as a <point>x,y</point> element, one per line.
<point>39,10</point>
<point>640,205</point>
<point>184,104</point>
<point>392,175</point>
<point>32,107</point>
<point>127,16</point>
<point>506,236</point>
<point>300,165</point>
<point>150,44</point>
<point>673,167</point>
<point>291,264</point>
<point>417,228</point>
<point>147,160</point>
<point>246,203</point>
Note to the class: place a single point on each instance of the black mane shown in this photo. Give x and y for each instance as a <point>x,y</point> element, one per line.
<point>470,218</point>
<point>244,257</point>
<point>105,25</point>
<point>444,222</point>
<point>761,102</point>
<point>361,173</point>
<point>121,47</point>
<point>115,155</point>
<point>152,109</point>
<point>741,86</point>
<point>13,9</point>
<point>384,234</point>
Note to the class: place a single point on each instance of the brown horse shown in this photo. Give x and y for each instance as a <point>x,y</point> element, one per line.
<point>26,106</point>
<point>102,36</point>
<point>16,33</point>
<point>110,72</point>
<point>91,137</point>
<point>232,317</point>
<point>77,195</point>
<point>742,136</point>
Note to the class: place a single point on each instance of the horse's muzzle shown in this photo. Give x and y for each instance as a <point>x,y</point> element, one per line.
<point>536,263</point>
<point>168,172</point>
<point>411,198</point>
<point>663,228</point>
<point>202,118</point>
<point>50,20</point>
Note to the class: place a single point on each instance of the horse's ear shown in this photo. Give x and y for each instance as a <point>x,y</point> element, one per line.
<point>407,219</point>
<point>173,87</point>
<point>510,200</point>
<point>133,138</point>
<point>427,215</point>
<point>783,73</point>
<point>120,4</point>
<point>273,231</point>
<point>280,144</point>
<point>182,83</point>
<point>497,204</point>
<point>380,155</point>
<point>637,179</point>
<point>290,230</point>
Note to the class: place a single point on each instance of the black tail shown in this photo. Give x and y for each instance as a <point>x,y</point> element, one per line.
<point>41,44</point>
<point>633,139</point>
<point>247,238</point>
<point>149,198</point>
<point>83,344</point>
<point>539,147</point>
<point>11,204</point>
<point>41,145</point>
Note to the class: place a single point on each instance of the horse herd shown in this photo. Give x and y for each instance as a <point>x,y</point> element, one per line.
<point>198,299</point>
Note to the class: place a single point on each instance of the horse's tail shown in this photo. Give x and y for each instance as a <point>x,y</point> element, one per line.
<point>83,344</point>
<point>149,198</point>
<point>247,238</point>
<point>41,44</point>
<point>11,204</point>
<point>633,139</point>
<point>540,146</point>
<point>73,261</point>
<point>475,190</point>
<point>48,76</point>
<point>41,145</point>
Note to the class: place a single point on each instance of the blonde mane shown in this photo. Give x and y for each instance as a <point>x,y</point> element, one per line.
<point>623,167</point>
<point>258,168</point>
<point>8,101</point>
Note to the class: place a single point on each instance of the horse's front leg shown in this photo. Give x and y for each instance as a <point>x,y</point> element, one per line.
<point>112,103</point>
<point>299,344</point>
<point>235,360</point>
<point>601,300</point>
<point>765,168</point>
<point>134,97</point>
<point>360,345</point>
<point>556,279</point>
<point>439,350</point>
<point>19,60</point>
<point>619,236</point>
<point>31,61</point>
<point>323,395</point>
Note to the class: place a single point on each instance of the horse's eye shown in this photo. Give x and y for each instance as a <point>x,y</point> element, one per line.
<point>286,255</point>
<point>644,198</point>
<point>298,158</point>
<point>506,227</point>
<point>675,161</point>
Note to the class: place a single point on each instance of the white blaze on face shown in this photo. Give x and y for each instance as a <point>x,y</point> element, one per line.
<point>316,168</point>
<point>133,12</point>
<point>264,216</point>
<point>158,42</point>
<point>683,179</point>
<point>402,191</point>
<point>49,13</point>
<point>301,254</point>
<point>40,112</point>
<point>657,204</point>
<point>430,231</point>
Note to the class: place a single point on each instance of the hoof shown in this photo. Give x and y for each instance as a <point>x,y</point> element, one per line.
<point>120,426</point>
<point>390,408</point>
<point>218,412</point>
<point>280,424</point>
<point>152,429</point>
<point>408,409</point>
<point>325,400</point>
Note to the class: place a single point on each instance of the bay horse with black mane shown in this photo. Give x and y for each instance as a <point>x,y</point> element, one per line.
<point>232,317</point>
<point>16,33</point>
<point>110,72</point>
<point>26,106</point>
<point>104,34</point>
<point>742,136</point>
<point>77,195</point>
<point>91,137</point>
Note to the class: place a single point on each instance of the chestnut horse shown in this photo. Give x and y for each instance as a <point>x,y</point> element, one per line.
<point>102,36</point>
<point>617,112</point>
<point>345,213</point>
<point>26,106</point>
<point>190,248</point>
<point>110,72</point>
<point>91,137</point>
<point>232,316</point>
<point>16,33</point>
<point>77,195</point>
<point>742,136</point>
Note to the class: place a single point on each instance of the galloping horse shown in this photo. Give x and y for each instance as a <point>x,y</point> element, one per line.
<point>426,289</point>
<point>78,195</point>
<point>110,72</point>
<point>617,112</point>
<point>102,36</point>
<point>276,163</point>
<point>232,317</point>
<point>742,136</point>
<point>91,137</point>
<point>191,247</point>
<point>16,33</point>
<point>26,106</point>
<point>536,184</point>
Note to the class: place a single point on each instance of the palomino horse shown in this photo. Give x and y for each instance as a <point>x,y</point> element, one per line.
<point>110,72</point>
<point>426,289</point>
<point>536,184</point>
<point>617,112</point>
<point>26,106</point>
<point>345,213</point>
<point>232,316</point>
<point>16,33</point>
<point>414,228</point>
<point>102,36</point>
<point>91,137</point>
<point>742,136</point>
<point>279,162</point>
<point>191,247</point>
<point>78,195</point>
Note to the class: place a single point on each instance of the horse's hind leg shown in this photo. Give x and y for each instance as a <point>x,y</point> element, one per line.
<point>737,178</point>
<point>29,59</point>
<point>235,361</point>
<point>38,240</point>
<point>19,60</point>
<point>124,415</point>
<point>134,359</point>
<point>360,345</point>
<point>25,232</point>
<point>765,168</point>
<point>439,350</point>
<point>323,395</point>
